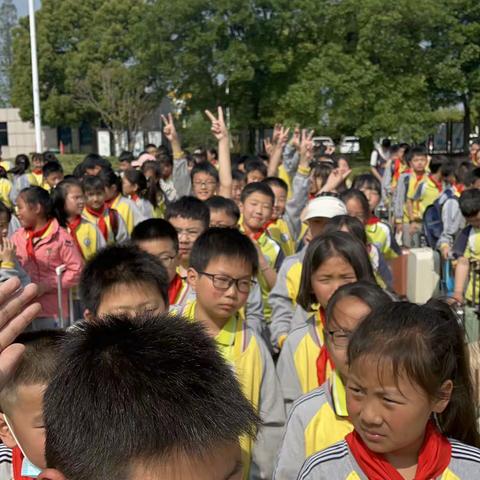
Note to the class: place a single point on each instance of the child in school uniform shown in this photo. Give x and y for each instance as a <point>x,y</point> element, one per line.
<point>20,178</point>
<point>223,264</point>
<point>319,419</point>
<point>37,173</point>
<point>114,200</point>
<point>286,313</point>
<point>410,399</point>
<point>224,212</point>
<point>108,220</point>
<point>331,260</point>
<point>68,203</point>
<point>379,232</point>
<point>43,245</point>
<point>134,187</point>
<point>21,405</point>
<point>52,174</point>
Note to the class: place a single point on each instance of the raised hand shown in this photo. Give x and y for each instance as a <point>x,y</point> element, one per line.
<point>276,132</point>
<point>283,137</point>
<point>15,315</point>
<point>296,138</point>
<point>7,251</point>
<point>306,147</point>
<point>268,145</point>
<point>169,130</point>
<point>219,128</point>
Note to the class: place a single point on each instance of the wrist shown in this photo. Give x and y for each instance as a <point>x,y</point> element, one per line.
<point>303,170</point>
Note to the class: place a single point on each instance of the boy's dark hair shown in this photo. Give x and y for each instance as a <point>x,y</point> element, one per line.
<point>51,167</point>
<point>93,160</point>
<point>150,145</point>
<point>276,182</point>
<point>238,175</point>
<point>256,165</point>
<point>204,167</point>
<point>37,365</point>
<point>367,180</point>
<point>223,242</point>
<point>426,343</point>
<point>189,207</point>
<point>415,151</point>
<point>470,202</point>
<point>38,196</point>
<point>353,193</point>
<point>93,183</point>
<point>257,187</point>
<point>224,204</point>
<point>126,156</point>
<point>325,246</point>
<point>472,176</point>
<point>110,179</point>
<point>139,391</point>
<point>49,157</point>
<point>155,229</point>
<point>437,162</point>
<point>120,264</point>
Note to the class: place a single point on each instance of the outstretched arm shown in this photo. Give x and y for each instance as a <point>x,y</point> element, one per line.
<point>220,132</point>
<point>280,140</point>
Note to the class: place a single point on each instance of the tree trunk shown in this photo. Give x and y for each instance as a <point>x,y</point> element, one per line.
<point>466,123</point>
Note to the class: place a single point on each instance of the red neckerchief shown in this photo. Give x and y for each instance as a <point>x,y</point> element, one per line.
<point>418,178</point>
<point>72,228</point>
<point>37,171</point>
<point>433,458</point>
<point>31,235</point>
<point>438,184</point>
<point>174,288</point>
<point>323,359</point>
<point>17,460</point>
<point>134,197</point>
<point>396,168</point>
<point>373,220</point>
<point>258,234</point>
<point>101,223</point>
<point>459,187</point>
<point>110,202</point>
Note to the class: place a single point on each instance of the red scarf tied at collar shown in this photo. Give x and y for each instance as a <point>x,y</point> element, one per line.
<point>373,220</point>
<point>17,460</point>
<point>433,459</point>
<point>437,183</point>
<point>31,235</point>
<point>257,235</point>
<point>101,223</point>
<point>72,227</point>
<point>174,288</point>
<point>323,359</point>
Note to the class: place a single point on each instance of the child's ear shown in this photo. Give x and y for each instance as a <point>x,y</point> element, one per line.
<point>192,278</point>
<point>51,474</point>
<point>445,394</point>
<point>5,434</point>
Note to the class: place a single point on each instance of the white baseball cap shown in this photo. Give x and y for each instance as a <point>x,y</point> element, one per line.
<point>326,207</point>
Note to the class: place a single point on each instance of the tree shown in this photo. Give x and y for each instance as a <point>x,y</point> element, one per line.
<point>8,20</point>
<point>76,41</point>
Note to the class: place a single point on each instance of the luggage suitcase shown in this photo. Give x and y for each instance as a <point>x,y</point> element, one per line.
<point>423,274</point>
<point>399,274</point>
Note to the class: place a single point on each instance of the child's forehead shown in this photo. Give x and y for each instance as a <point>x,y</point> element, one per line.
<point>258,196</point>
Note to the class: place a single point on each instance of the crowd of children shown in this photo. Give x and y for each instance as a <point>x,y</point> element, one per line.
<point>236,317</point>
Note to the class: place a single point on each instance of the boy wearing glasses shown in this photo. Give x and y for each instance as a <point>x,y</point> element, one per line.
<point>222,264</point>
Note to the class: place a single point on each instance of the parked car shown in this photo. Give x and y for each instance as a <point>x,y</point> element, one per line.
<point>350,145</point>
<point>326,141</point>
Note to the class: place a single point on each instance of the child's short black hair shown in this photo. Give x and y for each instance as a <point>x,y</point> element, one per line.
<point>353,193</point>
<point>92,183</point>
<point>256,165</point>
<point>472,176</point>
<point>93,160</point>
<point>257,187</point>
<point>137,391</point>
<point>353,225</point>
<point>238,175</point>
<point>189,207</point>
<point>470,202</point>
<point>38,196</point>
<point>204,167</point>
<point>110,179</point>
<point>51,167</point>
<point>49,156</point>
<point>227,205</point>
<point>222,242</point>
<point>367,180</point>
<point>437,162</point>
<point>415,151</point>
<point>276,182</point>
<point>37,365</point>
<point>120,264</point>
<point>126,156</point>
<point>155,229</point>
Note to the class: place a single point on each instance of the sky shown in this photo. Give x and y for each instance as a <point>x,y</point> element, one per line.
<point>22,6</point>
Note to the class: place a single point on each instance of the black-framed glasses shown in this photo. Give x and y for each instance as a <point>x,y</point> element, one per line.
<point>340,338</point>
<point>224,282</point>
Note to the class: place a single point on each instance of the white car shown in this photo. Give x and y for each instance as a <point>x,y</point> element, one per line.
<point>327,141</point>
<point>350,145</point>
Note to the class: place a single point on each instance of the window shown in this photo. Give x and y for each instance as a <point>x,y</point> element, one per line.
<point>3,134</point>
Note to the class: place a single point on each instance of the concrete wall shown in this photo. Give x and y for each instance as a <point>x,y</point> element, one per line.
<point>21,135</point>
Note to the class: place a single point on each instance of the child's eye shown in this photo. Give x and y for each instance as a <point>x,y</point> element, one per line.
<point>389,400</point>
<point>355,390</point>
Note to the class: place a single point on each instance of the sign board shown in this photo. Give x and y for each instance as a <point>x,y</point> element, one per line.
<point>103,141</point>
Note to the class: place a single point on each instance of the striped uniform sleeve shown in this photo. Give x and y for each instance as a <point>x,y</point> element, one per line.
<point>6,472</point>
<point>330,463</point>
